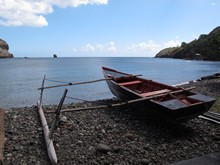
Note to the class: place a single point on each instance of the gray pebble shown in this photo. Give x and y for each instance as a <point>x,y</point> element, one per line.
<point>145,161</point>
<point>102,148</point>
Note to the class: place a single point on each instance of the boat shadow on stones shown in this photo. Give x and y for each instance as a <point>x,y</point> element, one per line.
<point>149,125</point>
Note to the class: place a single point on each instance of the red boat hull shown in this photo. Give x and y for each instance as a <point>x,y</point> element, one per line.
<point>174,108</point>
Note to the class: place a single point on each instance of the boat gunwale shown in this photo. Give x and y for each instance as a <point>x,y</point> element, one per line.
<point>140,79</point>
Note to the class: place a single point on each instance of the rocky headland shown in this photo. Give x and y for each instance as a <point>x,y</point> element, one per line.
<point>206,47</point>
<point>4,47</point>
<point>122,135</point>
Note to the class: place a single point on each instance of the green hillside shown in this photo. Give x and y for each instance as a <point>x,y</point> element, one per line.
<point>207,47</point>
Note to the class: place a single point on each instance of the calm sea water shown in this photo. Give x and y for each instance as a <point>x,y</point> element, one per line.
<point>20,78</point>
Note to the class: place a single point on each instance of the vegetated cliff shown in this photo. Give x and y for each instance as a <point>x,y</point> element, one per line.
<point>207,47</point>
<point>4,50</point>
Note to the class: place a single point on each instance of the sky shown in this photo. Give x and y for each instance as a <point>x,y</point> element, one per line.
<point>103,28</point>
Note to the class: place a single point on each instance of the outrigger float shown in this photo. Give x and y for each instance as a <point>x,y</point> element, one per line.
<point>172,103</point>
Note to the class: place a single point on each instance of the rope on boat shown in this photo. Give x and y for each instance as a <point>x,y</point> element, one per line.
<point>74,98</point>
<point>56,81</point>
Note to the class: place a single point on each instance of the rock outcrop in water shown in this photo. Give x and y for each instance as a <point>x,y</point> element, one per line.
<point>4,50</point>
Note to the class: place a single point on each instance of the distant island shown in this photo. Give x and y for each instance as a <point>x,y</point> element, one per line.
<point>206,47</point>
<point>4,50</point>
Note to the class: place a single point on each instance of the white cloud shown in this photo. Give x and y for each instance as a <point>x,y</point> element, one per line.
<point>146,49</point>
<point>213,3</point>
<point>172,43</point>
<point>135,49</point>
<point>110,47</point>
<point>76,3</point>
<point>23,12</point>
<point>74,50</point>
<point>143,47</point>
<point>88,48</point>
<point>97,48</point>
<point>30,12</point>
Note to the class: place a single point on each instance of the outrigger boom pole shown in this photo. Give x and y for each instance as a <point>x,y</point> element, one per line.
<point>121,103</point>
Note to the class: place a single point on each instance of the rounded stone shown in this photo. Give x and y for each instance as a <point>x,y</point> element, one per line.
<point>102,148</point>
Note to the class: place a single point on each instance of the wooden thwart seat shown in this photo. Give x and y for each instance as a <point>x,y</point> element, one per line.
<point>130,83</point>
<point>155,92</point>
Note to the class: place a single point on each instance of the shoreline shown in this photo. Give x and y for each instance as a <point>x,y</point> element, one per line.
<point>126,136</point>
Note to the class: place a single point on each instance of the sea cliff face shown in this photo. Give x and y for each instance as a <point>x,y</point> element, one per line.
<point>206,47</point>
<point>4,50</point>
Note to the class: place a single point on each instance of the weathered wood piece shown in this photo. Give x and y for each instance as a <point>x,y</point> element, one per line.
<point>49,143</point>
<point>57,117</point>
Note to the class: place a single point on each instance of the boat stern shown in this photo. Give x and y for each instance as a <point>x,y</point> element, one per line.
<point>183,110</point>
<point>207,100</point>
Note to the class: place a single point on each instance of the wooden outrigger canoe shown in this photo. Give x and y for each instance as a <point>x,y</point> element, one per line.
<point>172,103</point>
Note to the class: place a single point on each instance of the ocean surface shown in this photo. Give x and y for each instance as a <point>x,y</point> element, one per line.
<point>20,78</point>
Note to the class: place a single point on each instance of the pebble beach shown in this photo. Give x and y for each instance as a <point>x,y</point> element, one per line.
<point>119,136</point>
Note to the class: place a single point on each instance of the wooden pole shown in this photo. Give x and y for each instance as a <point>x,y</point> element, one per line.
<point>57,117</point>
<point>122,103</point>
<point>49,143</point>
<point>84,82</point>
<point>42,91</point>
